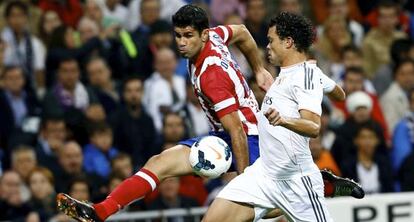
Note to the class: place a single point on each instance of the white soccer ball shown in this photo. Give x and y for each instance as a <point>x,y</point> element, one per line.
<point>210,157</point>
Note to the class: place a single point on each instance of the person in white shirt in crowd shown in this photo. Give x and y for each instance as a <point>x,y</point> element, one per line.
<point>164,90</point>
<point>22,48</point>
<point>114,10</point>
<point>394,102</point>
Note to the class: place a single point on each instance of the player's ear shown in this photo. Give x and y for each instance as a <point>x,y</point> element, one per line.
<point>289,43</point>
<point>204,35</point>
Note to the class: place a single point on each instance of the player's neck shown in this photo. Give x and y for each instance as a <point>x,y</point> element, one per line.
<point>293,58</point>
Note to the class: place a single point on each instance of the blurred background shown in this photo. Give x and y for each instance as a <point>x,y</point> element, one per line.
<point>89,90</point>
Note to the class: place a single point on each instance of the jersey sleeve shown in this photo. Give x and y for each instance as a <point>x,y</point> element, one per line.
<point>327,83</point>
<point>224,32</point>
<point>219,89</point>
<point>308,91</point>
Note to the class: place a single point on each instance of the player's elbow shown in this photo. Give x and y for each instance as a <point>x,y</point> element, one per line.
<point>314,131</point>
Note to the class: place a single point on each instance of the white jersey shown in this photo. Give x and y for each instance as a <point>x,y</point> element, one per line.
<point>285,153</point>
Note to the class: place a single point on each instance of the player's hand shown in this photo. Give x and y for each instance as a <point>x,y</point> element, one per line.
<point>264,79</point>
<point>274,117</point>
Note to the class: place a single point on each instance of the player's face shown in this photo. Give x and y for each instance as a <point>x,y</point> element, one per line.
<point>190,41</point>
<point>274,46</point>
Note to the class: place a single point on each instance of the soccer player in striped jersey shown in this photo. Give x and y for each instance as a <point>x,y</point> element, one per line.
<point>224,96</point>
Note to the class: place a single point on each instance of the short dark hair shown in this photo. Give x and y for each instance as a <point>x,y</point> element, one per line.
<point>397,66</point>
<point>191,15</point>
<point>400,47</point>
<point>367,126</point>
<point>7,69</point>
<point>388,4</point>
<point>66,59</point>
<point>297,27</point>
<point>98,128</point>
<point>130,79</point>
<point>16,4</point>
<point>50,118</point>
<point>354,69</point>
<point>350,48</point>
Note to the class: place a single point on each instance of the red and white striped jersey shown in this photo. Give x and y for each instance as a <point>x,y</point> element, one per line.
<point>219,84</point>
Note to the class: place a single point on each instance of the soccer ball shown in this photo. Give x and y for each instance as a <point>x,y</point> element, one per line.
<point>210,157</point>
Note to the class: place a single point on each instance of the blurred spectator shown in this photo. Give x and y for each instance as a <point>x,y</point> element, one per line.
<point>70,11</point>
<point>322,157</point>
<point>22,47</point>
<point>17,104</point>
<point>133,128</point>
<point>400,49</point>
<point>70,159</point>
<point>294,6</point>
<point>371,17</point>
<point>235,19</point>
<point>94,11</point>
<point>255,21</point>
<point>170,198</point>
<point>87,29</point>
<point>115,179</point>
<point>114,10</point>
<point>122,164</point>
<point>321,10</point>
<point>12,205</point>
<point>403,137</point>
<point>195,120</point>
<point>149,13</point>
<point>353,81</point>
<point>99,76</point>
<point>23,161</point>
<point>219,9</point>
<point>406,174</point>
<point>340,8</point>
<point>395,102</point>
<point>326,134</point>
<point>43,200</point>
<point>148,40</point>
<point>137,8</point>
<point>334,37</point>
<point>69,97</point>
<point>164,90</point>
<point>48,22</point>
<point>372,171</point>
<point>99,152</point>
<point>359,106</point>
<point>34,12</point>
<point>2,50</point>
<point>377,42</point>
<point>79,188</point>
<point>173,128</point>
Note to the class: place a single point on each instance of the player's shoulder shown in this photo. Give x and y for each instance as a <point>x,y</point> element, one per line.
<point>307,76</point>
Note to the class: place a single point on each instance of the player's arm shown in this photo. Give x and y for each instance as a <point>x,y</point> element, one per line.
<point>242,38</point>
<point>233,125</point>
<point>331,89</point>
<point>308,124</point>
<point>337,94</point>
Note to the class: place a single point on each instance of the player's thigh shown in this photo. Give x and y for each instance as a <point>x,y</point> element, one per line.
<point>228,211</point>
<point>171,162</point>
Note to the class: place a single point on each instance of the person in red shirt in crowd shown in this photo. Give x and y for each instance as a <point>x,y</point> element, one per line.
<point>70,11</point>
<point>354,81</point>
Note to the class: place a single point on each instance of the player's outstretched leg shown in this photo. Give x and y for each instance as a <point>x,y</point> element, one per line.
<point>228,211</point>
<point>336,186</point>
<point>171,162</point>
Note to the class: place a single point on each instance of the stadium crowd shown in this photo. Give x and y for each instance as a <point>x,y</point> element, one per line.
<point>89,90</point>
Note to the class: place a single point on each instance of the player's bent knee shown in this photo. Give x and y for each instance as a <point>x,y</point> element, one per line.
<point>171,162</point>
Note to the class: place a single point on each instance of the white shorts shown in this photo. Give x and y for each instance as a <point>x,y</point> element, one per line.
<point>301,198</point>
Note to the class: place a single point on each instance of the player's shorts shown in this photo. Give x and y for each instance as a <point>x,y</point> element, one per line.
<point>301,198</point>
<point>252,142</point>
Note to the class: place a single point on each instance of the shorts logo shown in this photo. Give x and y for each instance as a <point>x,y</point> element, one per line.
<point>268,100</point>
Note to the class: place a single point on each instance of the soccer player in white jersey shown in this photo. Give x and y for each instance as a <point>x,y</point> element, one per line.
<point>284,176</point>
<point>224,96</point>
